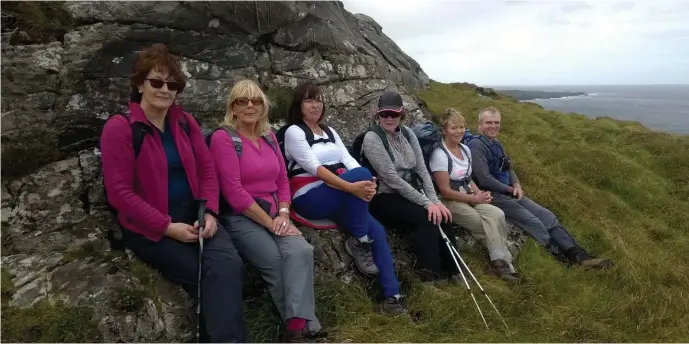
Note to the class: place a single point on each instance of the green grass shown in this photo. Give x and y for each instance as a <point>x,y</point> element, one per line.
<point>621,189</point>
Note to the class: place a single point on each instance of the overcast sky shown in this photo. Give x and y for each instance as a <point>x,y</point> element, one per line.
<point>540,42</point>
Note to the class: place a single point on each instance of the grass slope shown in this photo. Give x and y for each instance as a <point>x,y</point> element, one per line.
<point>623,192</point>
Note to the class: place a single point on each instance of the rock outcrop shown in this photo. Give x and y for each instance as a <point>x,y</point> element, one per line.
<point>57,95</point>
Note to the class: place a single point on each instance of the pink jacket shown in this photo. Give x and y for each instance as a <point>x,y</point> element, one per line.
<point>258,174</point>
<point>137,189</point>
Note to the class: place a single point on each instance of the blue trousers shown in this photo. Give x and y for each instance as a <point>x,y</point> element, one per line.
<point>351,213</point>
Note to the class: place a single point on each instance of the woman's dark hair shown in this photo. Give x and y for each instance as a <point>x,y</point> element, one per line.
<point>306,90</point>
<point>158,57</point>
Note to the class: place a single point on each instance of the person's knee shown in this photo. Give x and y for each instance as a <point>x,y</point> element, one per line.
<point>301,250</point>
<point>357,174</point>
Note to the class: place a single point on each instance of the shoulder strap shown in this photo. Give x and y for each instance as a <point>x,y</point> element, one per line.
<point>271,142</point>
<point>379,131</point>
<point>468,157</point>
<point>328,132</point>
<point>405,132</point>
<point>449,159</point>
<point>236,140</point>
<point>138,131</point>
<point>307,132</point>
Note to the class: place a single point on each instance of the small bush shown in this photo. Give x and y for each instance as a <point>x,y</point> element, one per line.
<point>128,299</point>
<point>49,323</point>
<point>280,98</point>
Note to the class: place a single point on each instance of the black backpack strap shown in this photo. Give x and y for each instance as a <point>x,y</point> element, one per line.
<point>138,131</point>
<point>307,132</point>
<point>326,129</point>
<point>405,132</point>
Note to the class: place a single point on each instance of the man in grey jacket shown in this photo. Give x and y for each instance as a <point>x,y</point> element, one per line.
<point>493,172</point>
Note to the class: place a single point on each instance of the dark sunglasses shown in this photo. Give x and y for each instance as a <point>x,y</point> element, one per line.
<point>389,114</point>
<point>171,85</point>
<point>243,101</point>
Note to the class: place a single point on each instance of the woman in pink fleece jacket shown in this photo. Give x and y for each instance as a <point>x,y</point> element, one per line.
<point>255,208</point>
<point>155,190</point>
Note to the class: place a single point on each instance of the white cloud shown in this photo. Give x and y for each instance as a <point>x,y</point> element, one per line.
<point>539,42</point>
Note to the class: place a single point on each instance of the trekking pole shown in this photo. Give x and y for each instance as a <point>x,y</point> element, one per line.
<point>202,224</point>
<point>476,281</point>
<point>452,253</point>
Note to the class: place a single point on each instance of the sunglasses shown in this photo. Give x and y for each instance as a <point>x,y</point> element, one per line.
<point>243,101</point>
<point>389,114</point>
<point>171,85</point>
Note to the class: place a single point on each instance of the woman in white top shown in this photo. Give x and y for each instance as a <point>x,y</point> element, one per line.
<point>327,183</point>
<point>450,164</point>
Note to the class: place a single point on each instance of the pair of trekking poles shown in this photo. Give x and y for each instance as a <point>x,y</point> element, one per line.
<point>455,255</point>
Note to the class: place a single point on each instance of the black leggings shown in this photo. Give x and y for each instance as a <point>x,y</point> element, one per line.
<point>405,217</point>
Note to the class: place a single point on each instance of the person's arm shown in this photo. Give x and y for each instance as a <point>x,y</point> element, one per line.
<point>421,169</point>
<point>205,168</point>
<point>298,148</point>
<point>118,164</point>
<point>347,159</point>
<point>439,166</point>
<point>380,161</point>
<point>479,164</point>
<point>228,169</point>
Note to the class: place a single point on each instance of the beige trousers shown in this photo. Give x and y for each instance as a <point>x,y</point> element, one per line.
<point>486,223</point>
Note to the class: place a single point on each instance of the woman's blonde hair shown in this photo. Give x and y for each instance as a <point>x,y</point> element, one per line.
<point>451,115</point>
<point>249,89</point>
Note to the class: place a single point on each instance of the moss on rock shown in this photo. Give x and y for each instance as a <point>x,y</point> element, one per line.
<point>280,98</point>
<point>42,21</point>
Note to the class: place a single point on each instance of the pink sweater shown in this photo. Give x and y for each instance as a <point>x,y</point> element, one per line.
<point>259,173</point>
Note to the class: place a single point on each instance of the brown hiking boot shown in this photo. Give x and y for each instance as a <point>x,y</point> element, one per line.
<point>579,256</point>
<point>501,269</point>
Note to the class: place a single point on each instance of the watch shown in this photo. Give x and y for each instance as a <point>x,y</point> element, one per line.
<point>284,210</point>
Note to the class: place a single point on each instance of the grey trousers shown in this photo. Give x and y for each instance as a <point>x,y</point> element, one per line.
<point>537,221</point>
<point>285,263</point>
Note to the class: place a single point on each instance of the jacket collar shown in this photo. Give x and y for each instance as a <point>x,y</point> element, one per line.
<point>137,113</point>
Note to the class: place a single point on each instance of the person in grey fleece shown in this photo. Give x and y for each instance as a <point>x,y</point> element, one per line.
<point>406,200</point>
<point>493,171</point>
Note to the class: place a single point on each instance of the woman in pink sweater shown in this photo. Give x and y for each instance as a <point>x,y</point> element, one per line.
<point>254,207</point>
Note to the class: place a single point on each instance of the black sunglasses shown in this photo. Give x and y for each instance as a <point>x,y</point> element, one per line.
<point>389,114</point>
<point>243,101</point>
<point>171,85</point>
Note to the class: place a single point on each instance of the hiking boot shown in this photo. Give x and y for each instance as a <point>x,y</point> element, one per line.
<point>554,249</point>
<point>393,305</point>
<point>501,269</point>
<point>579,256</point>
<point>363,257</point>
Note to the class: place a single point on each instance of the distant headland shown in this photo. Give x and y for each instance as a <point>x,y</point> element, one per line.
<point>533,94</point>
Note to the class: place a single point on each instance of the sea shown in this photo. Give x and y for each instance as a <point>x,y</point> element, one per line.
<point>658,107</point>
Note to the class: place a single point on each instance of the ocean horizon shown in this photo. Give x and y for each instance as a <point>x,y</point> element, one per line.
<point>657,107</point>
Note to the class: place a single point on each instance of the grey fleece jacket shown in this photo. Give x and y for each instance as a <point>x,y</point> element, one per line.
<point>407,155</point>
<point>484,180</point>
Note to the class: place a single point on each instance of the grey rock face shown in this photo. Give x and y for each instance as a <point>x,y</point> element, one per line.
<point>58,95</point>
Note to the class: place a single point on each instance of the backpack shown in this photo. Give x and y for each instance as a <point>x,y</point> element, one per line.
<point>224,206</point>
<point>310,139</point>
<point>355,150</point>
<point>139,130</point>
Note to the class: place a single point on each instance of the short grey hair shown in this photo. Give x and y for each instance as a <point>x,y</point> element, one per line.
<point>490,110</point>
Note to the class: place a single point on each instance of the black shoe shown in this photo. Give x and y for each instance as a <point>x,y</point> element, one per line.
<point>394,305</point>
<point>579,256</point>
<point>501,269</point>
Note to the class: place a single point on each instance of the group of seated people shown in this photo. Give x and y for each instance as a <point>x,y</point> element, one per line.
<point>254,184</point>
